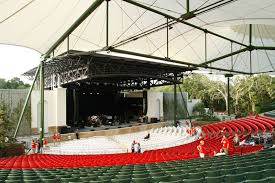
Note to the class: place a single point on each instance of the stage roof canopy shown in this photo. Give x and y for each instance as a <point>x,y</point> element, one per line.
<point>83,70</point>
<point>227,35</point>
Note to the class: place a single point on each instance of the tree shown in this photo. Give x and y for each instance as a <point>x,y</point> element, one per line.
<point>14,83</point>
<point>252,91</point>
<point>4,125</point>
<point>247,92</point>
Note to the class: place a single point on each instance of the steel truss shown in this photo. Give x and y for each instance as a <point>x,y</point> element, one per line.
<point>108,71</point>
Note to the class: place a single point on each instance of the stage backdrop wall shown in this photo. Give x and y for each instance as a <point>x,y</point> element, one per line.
<point>54,110</point>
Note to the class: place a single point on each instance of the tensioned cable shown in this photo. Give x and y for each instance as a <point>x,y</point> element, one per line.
<point>131,19</point>
<point>215,7</point>
<point>17,11</point>
<point>84,29</point>
<point>143,33</point>
<point>258,66</point>
<point>161,8</point>
<point>102,30</point>
<point>122,22</point>
<point>169,41</point>
<point>189,44</point>
<point>264,45</point>
<point>55,32</point>
<point>223,46</point>
<point>125,41</point>
<point>201,4</point>
<point>271,36</point>
<point>141,23</point>
<point>139,28</point>
<point>240,46</point>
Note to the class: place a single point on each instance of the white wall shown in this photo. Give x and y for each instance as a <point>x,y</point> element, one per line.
<point>191,104</point>
<point>61,105</point>
<point>55,108</point>
<point>154,100</point>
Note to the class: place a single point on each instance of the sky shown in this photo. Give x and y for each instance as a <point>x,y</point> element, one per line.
<point>15,60</point>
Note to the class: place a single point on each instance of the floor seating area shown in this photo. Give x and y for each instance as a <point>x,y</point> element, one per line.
<point>172,164</point>
<point>159,138</point>
<point>251,168</point>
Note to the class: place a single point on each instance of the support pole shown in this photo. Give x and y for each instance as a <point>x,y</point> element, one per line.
<point>231,56</point>
<point>167,38</point>
<point>250,44</point>
<point>187,6</point>
<point>26,102</point>
<point>205,47</point>
<point>228,76</point>
<point>68,44</point>
<point>175,99</point>
<point>107,23</point>
<point>228,96</point>
<point>41,130</point>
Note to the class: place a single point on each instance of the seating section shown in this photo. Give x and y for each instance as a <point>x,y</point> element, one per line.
<point>255,167</point>
<point>159,138</point>
<point>212,137</point>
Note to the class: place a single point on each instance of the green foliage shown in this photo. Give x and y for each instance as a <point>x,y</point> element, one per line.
<point>14,83</point>
<point>5,125</point>
<point>25,127</point>
<point>199,108</point>
<point>247,93</point>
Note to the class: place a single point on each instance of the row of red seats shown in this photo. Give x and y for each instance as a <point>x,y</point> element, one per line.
<point>243,127</point>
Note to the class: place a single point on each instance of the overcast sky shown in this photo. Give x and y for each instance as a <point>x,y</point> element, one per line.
<point>15,60</point>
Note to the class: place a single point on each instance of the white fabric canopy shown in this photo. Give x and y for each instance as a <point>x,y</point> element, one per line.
<point>38,24</point>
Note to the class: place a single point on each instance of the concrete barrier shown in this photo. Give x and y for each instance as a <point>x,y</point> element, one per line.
<point>111,132</point>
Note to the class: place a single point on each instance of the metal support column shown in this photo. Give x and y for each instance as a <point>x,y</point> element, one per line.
<point>250,51</point>
<point>232,65</point>
<point>228,96</point>
<point>41,130</point>
<point>167,38</point>
<point>68,44</point>
<point>228,76</point>
<point>107,23</point>
<point>26,102</point>
<point>187,6</point>
<point>175,99</point>
<point>205,47</point>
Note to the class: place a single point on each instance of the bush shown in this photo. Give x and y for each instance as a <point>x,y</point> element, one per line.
<point>4,125</point>
<point>199,108</point>
<point>12,150</point>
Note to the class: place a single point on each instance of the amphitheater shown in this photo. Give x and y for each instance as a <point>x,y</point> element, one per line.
<point>100,61</point>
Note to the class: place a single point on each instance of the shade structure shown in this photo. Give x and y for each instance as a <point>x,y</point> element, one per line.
<point>38,24</point>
